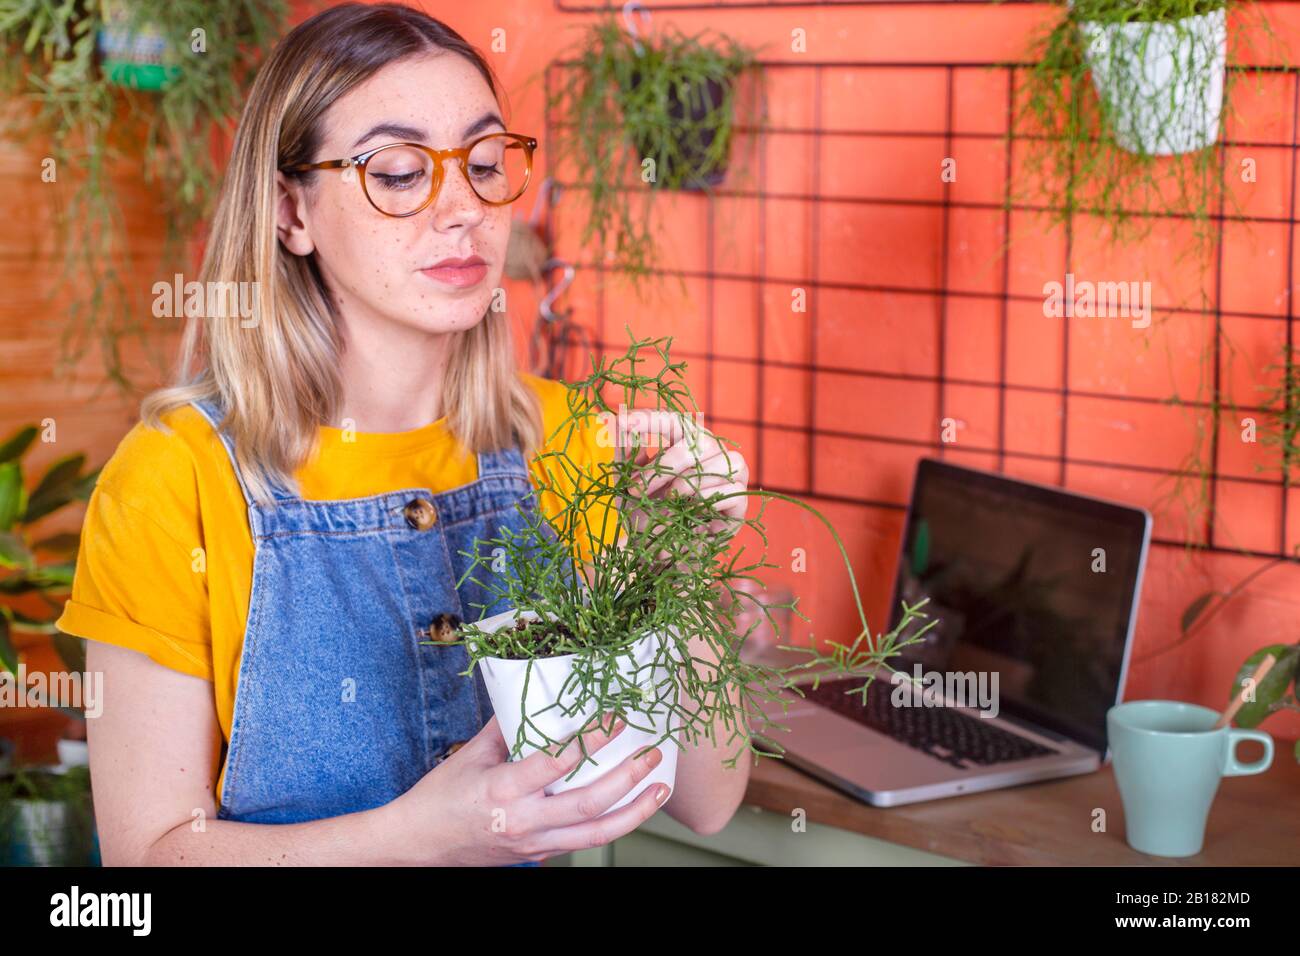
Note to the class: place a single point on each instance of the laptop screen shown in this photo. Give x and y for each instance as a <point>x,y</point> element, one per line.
<point>1032,584</point>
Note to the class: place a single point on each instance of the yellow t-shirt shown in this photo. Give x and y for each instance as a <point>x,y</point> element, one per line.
<point>166,559</point>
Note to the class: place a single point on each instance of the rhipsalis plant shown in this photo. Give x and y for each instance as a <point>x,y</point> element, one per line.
<point>609,565</point>
<point>1111,131</point>
<point>125,87</point>
<point>640,116</point>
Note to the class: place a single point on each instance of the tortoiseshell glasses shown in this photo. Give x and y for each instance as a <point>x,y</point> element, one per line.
<point>401,179</point>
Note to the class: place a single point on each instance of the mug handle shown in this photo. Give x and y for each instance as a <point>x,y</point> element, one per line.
<point>1233,767</point>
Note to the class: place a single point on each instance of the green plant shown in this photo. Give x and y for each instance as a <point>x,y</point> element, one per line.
<point>36,573</point>
<point>1277,690</point>
<point>1083,152</point>
<point>1098,118</point>
<point>638,117</point>
<point>610,566</point>
<point>1282,427</point>
<point>46,817</point>
<point>1271,694</point>
<point>95,126</point>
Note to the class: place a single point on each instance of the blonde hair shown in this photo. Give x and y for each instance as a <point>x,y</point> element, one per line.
<point>278,379</point>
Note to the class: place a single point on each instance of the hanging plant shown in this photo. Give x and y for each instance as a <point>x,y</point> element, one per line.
<point>629,603</point>
<point>1120,117</point>
<point>640,116</point>
<point>1122,101</point>
<point>126,85</point>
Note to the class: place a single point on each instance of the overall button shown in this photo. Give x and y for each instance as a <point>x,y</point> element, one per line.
<point>450,750</point>
<point>420,514</point>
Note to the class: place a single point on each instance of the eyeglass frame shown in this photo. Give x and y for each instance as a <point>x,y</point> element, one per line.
<point>439,156</point>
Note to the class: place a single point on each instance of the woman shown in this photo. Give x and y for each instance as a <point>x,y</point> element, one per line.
<point>265,552</point>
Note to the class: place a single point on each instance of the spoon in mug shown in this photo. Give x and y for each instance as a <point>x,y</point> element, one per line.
<point>1250,683</point>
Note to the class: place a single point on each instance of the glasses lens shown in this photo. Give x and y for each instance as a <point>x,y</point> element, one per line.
<point>398,179</point>
<point>498,168</point>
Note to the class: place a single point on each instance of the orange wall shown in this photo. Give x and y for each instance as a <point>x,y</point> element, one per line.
<point>862,227</point>
<point>841,232</point>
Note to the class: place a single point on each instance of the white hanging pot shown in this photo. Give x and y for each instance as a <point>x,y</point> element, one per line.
<point>548,683</point>
<point>1162,82</point>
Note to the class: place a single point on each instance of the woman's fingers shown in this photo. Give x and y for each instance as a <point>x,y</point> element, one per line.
<point>678,462</point>
<point>608,828</point>
<point>544,767</point>
<point>588,802</point>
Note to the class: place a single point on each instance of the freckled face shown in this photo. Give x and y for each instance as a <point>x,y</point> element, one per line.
<point>374,264</point>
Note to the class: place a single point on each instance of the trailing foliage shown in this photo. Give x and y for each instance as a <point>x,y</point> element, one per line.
<point>612,566</point>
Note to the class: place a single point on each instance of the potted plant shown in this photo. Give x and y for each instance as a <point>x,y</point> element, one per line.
<point>637,117</point>
<point>1276,691</point>
<point>45,814</point>
<point>126,88</point>
<point>1158,69</point>
<point>621,602</point>
<point>47,817</point>
<point>1121,101</point>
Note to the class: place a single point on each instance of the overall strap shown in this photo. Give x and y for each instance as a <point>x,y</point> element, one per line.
<point>504,461</point>
<point>213,412</point>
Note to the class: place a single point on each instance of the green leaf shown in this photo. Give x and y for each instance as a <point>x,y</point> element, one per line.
<point>13,498</point>
<point>72,651</point>
<point>1297,751</point>
<point>921,548</point>
<point>8,653</point>
<point>29,624</point>
<point>1195,608</point>
<point>17,443</point>
<point>56,488</point>
<point>14,553</point>
<point>1272,688</point>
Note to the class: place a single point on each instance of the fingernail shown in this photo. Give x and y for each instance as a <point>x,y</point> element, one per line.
<point>655,757</point>
<point>663,794</point>
<point>616,727</point>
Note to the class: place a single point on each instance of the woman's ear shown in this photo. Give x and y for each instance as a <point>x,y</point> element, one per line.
<point>290,216</point>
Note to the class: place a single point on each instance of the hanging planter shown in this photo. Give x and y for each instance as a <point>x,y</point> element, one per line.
<point>1119,112</point>
<point>1160,82</point>
<point>641,115</point>
<point>554,705</point>
<point>133,54</point>
<point>691,150</point>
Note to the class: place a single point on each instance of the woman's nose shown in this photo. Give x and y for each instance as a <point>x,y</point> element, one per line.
<point>456,204</point>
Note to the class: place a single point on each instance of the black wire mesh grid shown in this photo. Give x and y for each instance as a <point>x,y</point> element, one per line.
<point>802,442</point>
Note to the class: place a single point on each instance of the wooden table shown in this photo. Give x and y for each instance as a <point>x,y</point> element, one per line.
<point>1255,821</point>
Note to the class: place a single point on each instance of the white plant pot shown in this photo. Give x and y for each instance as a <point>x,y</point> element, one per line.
<point>505,681</point>
<point>1163,82</point>
<point>73,753</point>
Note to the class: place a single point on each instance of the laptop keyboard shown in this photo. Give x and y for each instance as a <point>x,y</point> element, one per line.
<point>941,732</point>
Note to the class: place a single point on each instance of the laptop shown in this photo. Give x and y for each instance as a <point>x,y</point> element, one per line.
<point>1032,599</point>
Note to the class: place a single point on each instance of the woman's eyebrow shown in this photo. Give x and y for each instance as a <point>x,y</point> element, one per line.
<point>414,135</point>
<point>408,133</point>
<point>483,122</point>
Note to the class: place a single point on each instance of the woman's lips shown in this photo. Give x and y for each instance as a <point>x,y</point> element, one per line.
<point>459,276</point>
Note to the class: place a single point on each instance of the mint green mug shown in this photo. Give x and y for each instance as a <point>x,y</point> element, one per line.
<point>1168,763</point>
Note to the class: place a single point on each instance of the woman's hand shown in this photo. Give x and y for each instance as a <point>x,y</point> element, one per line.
<point>691,461</point>
<point>478,809</point>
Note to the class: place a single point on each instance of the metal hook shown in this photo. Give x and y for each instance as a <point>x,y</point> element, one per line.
<point>554,292</point>
<point>629,8</point>
<point>547,195</point>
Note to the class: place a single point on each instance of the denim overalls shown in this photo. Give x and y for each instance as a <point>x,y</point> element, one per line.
<point>338,706</point>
